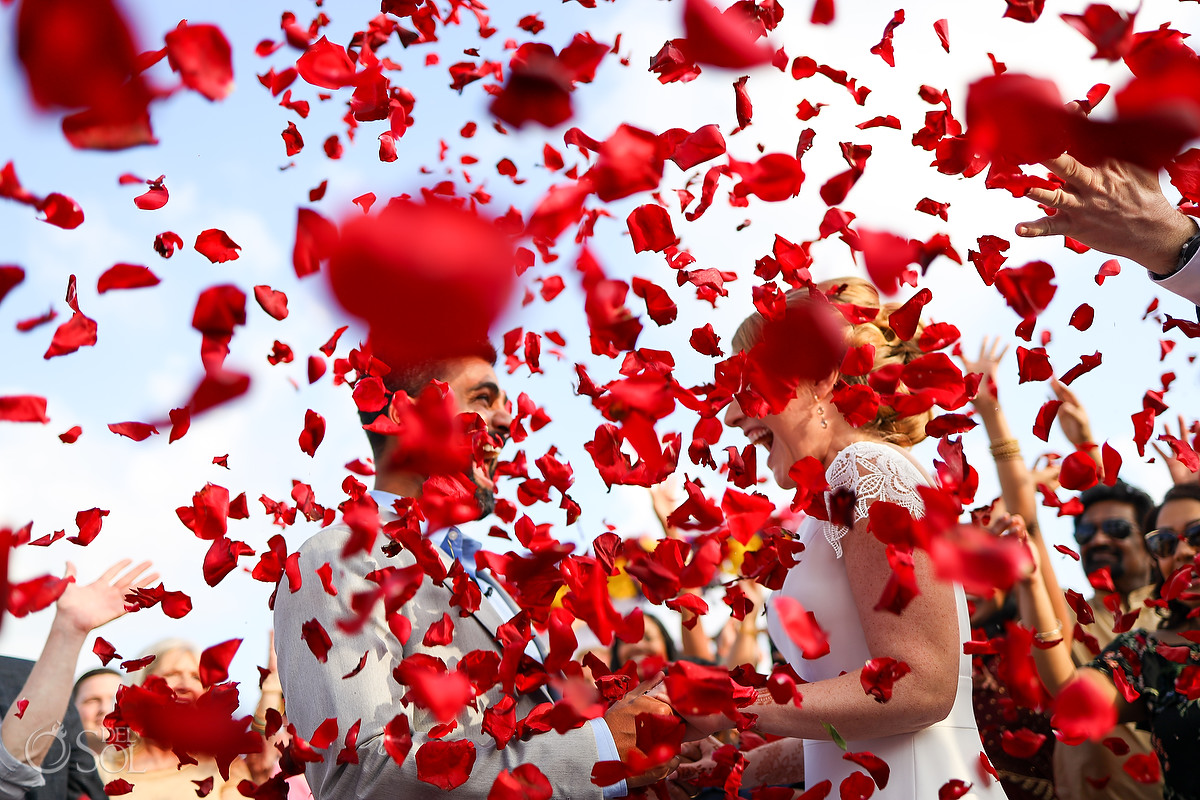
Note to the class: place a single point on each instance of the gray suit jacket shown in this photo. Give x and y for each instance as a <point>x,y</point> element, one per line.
<point>316,691</point>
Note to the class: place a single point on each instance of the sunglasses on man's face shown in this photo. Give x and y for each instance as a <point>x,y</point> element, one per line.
<point>1112,528</point>
<point>1163,542</point>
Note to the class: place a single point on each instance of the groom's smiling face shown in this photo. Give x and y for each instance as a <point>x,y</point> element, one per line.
<point>477,390</point>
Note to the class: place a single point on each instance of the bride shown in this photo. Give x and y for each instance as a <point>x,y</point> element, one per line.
<point>926,732</point>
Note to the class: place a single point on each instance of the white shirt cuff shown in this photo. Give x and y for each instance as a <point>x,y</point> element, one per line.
<point>1185,282</point>
<point>606,750</point>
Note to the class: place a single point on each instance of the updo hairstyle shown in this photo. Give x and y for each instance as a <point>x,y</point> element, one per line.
<point>889,348</point>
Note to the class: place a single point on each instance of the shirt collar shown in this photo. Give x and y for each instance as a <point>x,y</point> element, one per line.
<point>458,542</point>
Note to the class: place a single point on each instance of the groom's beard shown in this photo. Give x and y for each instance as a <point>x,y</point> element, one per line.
<point>485,499</point>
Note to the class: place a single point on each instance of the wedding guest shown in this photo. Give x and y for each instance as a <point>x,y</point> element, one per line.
<point>1150,660</point>
<point>1030,777</point>
<point>154,770</point>
<point>94,697</point>
<point>36,698</point>
<point>1119,208</point>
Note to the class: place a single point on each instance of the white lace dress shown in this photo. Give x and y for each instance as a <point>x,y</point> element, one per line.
<point>921,762</point>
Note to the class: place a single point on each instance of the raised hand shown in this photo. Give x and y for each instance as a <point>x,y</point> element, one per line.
<point>1114,207</point>
<point>85,608</point>
<point>1072,417</point>
<point>665,497</point>
<point>1178,470</point>
<point>991,353</point>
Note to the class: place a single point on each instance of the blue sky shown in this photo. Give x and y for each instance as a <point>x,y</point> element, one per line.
<point>226,168</point>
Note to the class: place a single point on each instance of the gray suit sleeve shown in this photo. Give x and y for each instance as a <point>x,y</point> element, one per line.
<point>315,692</point>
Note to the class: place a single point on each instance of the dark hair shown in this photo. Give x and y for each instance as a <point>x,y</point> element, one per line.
<point>668,642</point>
<point>1120,492</point>
<point>91,673</point>
<point>1176,613</point>
<point>412,377</point>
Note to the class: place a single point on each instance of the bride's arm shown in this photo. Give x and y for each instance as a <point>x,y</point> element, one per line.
<point>925,636</point>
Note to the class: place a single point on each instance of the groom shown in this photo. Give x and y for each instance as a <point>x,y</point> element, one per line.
<point>358,681</point>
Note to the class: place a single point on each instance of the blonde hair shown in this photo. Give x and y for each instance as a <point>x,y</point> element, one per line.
<point>159,650</point>
<point>889,348</point>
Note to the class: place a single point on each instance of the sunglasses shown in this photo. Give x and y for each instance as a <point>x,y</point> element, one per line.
<point>1163,543</point>
<point>1112,528</point>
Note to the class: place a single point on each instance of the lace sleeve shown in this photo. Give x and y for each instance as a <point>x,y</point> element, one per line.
<point>872,472</point>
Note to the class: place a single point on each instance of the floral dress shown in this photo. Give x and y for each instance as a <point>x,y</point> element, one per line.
<point>1168,679</point>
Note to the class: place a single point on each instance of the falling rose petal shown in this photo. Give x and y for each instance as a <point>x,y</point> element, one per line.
<point>181,420</point>
<point>326,65</point>
<point>214,662</point>
<point>446,765</point>
<point>659,305</point>
<point>1143,768</point>
<point>630,161</point>
<point>453,274</point>
<point>313,433</point>
<point>1109,30</point>
<point>318,641</point>
<point>61,211</point>
<point>691,149</point>
<point>856,786</point>
<point>525,782</point>
<point>887,258</point>
<point>166,243</point>
<point>79,331</point>
<point>138,431</point>
<point>1022,743</point>
<point>154,198</point>
<point>650,228</point>
<point>104,651</point>
<point>1078,472</point>
<point>1081,712</point>
<point>884,48</point>
<point>10,277</point>
<point>118,787</point>
<point>879,676</point>
<point>727,39</point>
<point>215,245</point>
<point>293,142</point>
<point>315,239</point>
<point>955,789</point>
<point>76,53</point>
<point>879,770</point>
<point>1081,317</point>
<point>538,89</point>
<point>801,627</point>
<point>774,177</point>
<point>23,408</point>
<point>71,436</point>
<point>1028,289</point>
<point>1016,118</point>
<point>125,276</point>
<point>203,58</point>
<point>88,522</point>
<point>271,301</point>
<point>34,595</point>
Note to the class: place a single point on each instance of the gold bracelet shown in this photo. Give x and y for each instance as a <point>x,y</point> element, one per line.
<point>259,727</point>
<point>1053,635</point>
<point>1006,450</point>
